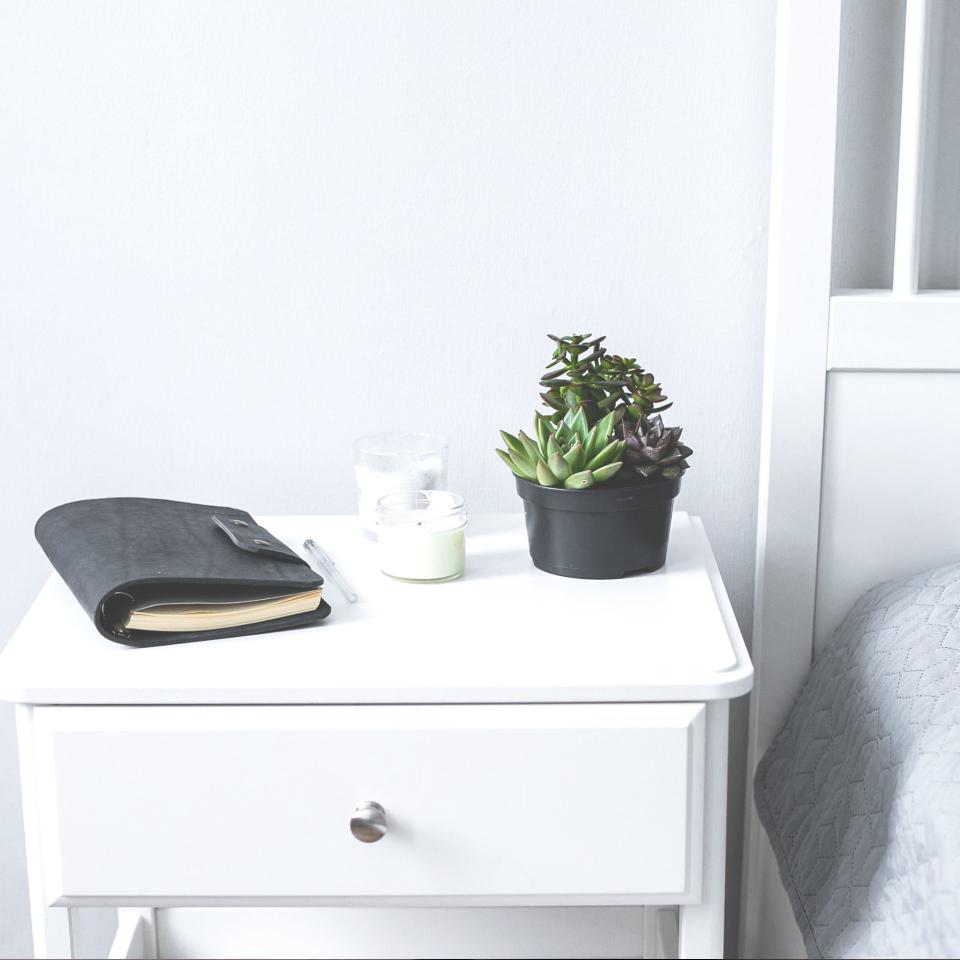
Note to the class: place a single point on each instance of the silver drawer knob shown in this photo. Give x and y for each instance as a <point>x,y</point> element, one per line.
<point>369,822</point>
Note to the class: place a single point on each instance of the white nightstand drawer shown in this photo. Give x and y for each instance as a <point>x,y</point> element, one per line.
<point>585,802</point>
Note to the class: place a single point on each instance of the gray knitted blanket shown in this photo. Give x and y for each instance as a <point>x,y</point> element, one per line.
<point>860,790</point>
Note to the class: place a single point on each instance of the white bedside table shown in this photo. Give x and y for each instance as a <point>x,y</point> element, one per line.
<point>534,741</point>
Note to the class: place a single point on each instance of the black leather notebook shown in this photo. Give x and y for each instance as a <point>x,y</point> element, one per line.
<point>153,572</point>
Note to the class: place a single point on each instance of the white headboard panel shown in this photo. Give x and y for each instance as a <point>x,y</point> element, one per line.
<point>860,455</point>
<point>890,503</point>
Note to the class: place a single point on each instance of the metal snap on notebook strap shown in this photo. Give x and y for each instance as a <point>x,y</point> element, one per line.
<point>251,538</point>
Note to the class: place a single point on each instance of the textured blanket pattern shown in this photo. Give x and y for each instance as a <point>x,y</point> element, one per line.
<point>860,790</point>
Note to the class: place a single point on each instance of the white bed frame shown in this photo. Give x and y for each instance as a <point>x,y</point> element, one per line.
<point>861,421</point>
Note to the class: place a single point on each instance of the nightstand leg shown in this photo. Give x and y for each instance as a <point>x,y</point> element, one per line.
<point>54,932</point>
<point>54,928</point>
<point>701,924</point>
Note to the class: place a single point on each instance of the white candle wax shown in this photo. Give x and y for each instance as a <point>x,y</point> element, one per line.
<point>422,551</point>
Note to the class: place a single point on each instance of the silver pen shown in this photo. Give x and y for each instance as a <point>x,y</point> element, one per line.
<point>328,567</point>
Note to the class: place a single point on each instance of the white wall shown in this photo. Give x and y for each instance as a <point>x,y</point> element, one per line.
<point>235,235</point>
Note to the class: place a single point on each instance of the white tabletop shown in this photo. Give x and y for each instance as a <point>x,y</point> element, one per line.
<point>505,632</point>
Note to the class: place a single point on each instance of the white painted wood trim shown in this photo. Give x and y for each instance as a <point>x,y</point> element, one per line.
<point>798,306</point>
<point>886,331</point>
<point>54,928</point>
<point>701,924</point>
<point>744,666</point>
<point>506,901</point>
<point>906,254</point>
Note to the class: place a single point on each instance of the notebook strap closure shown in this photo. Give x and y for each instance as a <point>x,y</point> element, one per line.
<point>247,535</point>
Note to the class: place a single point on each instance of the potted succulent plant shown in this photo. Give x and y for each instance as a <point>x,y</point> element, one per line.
<point>599,476</point>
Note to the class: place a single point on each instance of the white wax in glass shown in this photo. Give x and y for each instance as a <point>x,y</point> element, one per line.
<point>422,551</point>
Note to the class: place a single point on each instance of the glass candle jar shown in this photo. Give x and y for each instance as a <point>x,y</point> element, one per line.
<point>397,461</point>
<point>421,534</point>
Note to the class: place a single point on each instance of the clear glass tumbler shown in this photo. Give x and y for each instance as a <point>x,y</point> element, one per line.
<point>396,462</point>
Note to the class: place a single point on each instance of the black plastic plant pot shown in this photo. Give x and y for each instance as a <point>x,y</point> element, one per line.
<point>612,530</point>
